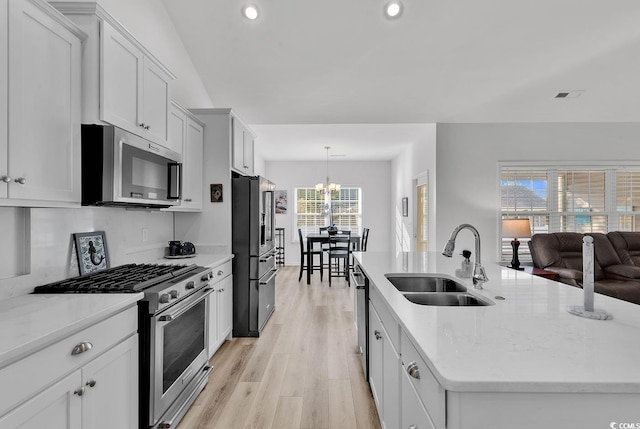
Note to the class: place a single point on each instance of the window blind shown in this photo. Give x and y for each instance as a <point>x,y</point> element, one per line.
<point>578,199</point>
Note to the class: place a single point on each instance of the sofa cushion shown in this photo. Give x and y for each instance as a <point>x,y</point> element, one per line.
<point>561,249</point>
<point>627,245</point>
<point>627,290</point>
<point>622,272</point>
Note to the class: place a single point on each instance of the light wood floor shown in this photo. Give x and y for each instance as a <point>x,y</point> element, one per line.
<point>303,371</point>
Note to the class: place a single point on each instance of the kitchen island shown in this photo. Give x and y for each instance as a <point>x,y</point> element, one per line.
<point>522,362</point>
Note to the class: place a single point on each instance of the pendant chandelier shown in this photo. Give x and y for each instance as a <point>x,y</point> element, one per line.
<point>327,187</point>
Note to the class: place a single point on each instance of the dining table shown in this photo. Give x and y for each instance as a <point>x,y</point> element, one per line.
<point>323,237</point>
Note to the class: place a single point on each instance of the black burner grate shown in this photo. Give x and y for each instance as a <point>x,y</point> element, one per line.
<point>128,278</point>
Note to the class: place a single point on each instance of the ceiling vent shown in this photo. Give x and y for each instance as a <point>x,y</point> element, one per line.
<point>569,94</point>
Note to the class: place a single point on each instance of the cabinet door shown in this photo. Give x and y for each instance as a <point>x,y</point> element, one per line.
<point>111,388</point>
<point>237,143</point>
<point>56,407</point>
<point>225,308</point>
<point>121,90</point>
<point>177,130</point>
<point>213,321</point>
<point>154,104</point>
<point>375,358</point>
<point>192,186</point>
<point>44,101</point>
<point>413,414</point>
<point>391,367</point>
<point>4,86</point>
<point>247,152</point>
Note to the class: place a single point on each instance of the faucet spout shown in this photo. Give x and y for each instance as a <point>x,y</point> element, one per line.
<point>479,274</point>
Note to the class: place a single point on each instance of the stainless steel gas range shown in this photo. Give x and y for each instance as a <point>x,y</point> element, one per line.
<point>172,324</point>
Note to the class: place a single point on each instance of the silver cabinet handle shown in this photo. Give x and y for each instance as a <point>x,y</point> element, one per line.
<point>187,200</point>
<point>377,334</point>
<point>91,383</point>
<point>79,391</point>
<point>21,180</point>
<point>5,179</point>
<point>154,148</point>
<point>82,347</point>
<point>142,124</point>
<point>413,370</point>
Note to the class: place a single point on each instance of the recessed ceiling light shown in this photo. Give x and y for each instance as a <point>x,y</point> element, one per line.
<point>250,11</point>
<point>393,9</point>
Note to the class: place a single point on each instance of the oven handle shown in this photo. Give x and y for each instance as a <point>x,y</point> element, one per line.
<point>204,292</point>
<point>270,277</point>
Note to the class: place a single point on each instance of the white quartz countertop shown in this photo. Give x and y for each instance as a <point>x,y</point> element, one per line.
<point>210,260</point>
<point>527,342</point>
<point>31,322</point>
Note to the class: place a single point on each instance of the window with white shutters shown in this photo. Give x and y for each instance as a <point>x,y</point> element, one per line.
<point>315,209</point>
<point>594,198</point>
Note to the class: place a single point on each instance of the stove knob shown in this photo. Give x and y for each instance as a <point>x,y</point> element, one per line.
<point>164,298</point>
<point>190,285</point>
<point>174,294</point>
<point>205,278</point>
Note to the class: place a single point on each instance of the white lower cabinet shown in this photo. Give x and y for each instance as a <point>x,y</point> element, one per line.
<point>111,383</point>
<point>86,381</point>
<point>220,307</point>
<point>406,393</point>
<point>384,370</point>
<point>413,414</point>
<point>55,407</point>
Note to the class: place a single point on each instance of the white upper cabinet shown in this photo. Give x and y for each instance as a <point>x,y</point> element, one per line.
<point>40,105</point>
<point>242,153</point>
<point>123,83</point>
<point>186,136</point>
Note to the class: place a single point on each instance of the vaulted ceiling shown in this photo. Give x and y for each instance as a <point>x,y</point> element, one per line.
<point>343,62</point>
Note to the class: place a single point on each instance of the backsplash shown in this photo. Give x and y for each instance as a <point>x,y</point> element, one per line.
<point>38,243</point>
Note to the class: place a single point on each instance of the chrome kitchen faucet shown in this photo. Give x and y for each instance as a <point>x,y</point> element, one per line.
<point>479,275</point>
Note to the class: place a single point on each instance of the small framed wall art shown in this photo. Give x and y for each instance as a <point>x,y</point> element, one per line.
<point>91,249</point>
<point>216,192</point>
<point>281,202</point>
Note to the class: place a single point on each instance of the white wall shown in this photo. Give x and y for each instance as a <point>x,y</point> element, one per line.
<point>468,156</point>
<point>374,177</point>
<point>418,158</point>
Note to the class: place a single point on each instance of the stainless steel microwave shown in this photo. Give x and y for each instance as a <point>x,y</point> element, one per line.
<point>122,169</point>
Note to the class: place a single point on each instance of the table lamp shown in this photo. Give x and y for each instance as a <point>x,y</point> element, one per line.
<point>516,228</point>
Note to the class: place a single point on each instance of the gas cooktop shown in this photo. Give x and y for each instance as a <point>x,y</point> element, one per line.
<point>130,278</point>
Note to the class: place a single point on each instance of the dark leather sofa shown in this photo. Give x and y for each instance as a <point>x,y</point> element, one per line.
<point>617,266</point>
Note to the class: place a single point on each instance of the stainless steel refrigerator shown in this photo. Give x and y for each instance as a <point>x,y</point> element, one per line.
<point>254,262</point>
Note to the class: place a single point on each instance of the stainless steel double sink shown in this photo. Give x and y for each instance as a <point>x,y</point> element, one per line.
<point>428,289</point>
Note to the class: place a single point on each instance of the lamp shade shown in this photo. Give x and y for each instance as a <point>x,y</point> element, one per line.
<point>516,228</point>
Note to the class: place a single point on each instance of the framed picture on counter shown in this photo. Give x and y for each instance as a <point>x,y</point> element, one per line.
<point>91,249</point>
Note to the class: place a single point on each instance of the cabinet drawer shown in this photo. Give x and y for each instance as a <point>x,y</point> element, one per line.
<point>221,272</point>
<point>30,375</point>
<point>387,319</point>
<point>431,394</point>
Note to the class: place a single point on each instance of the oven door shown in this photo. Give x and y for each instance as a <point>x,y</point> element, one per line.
<point>179,349</point>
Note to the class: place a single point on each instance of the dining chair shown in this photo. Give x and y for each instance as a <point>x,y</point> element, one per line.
<point>364,239</point>
<point>303,258</point>
<point>340,249</point>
